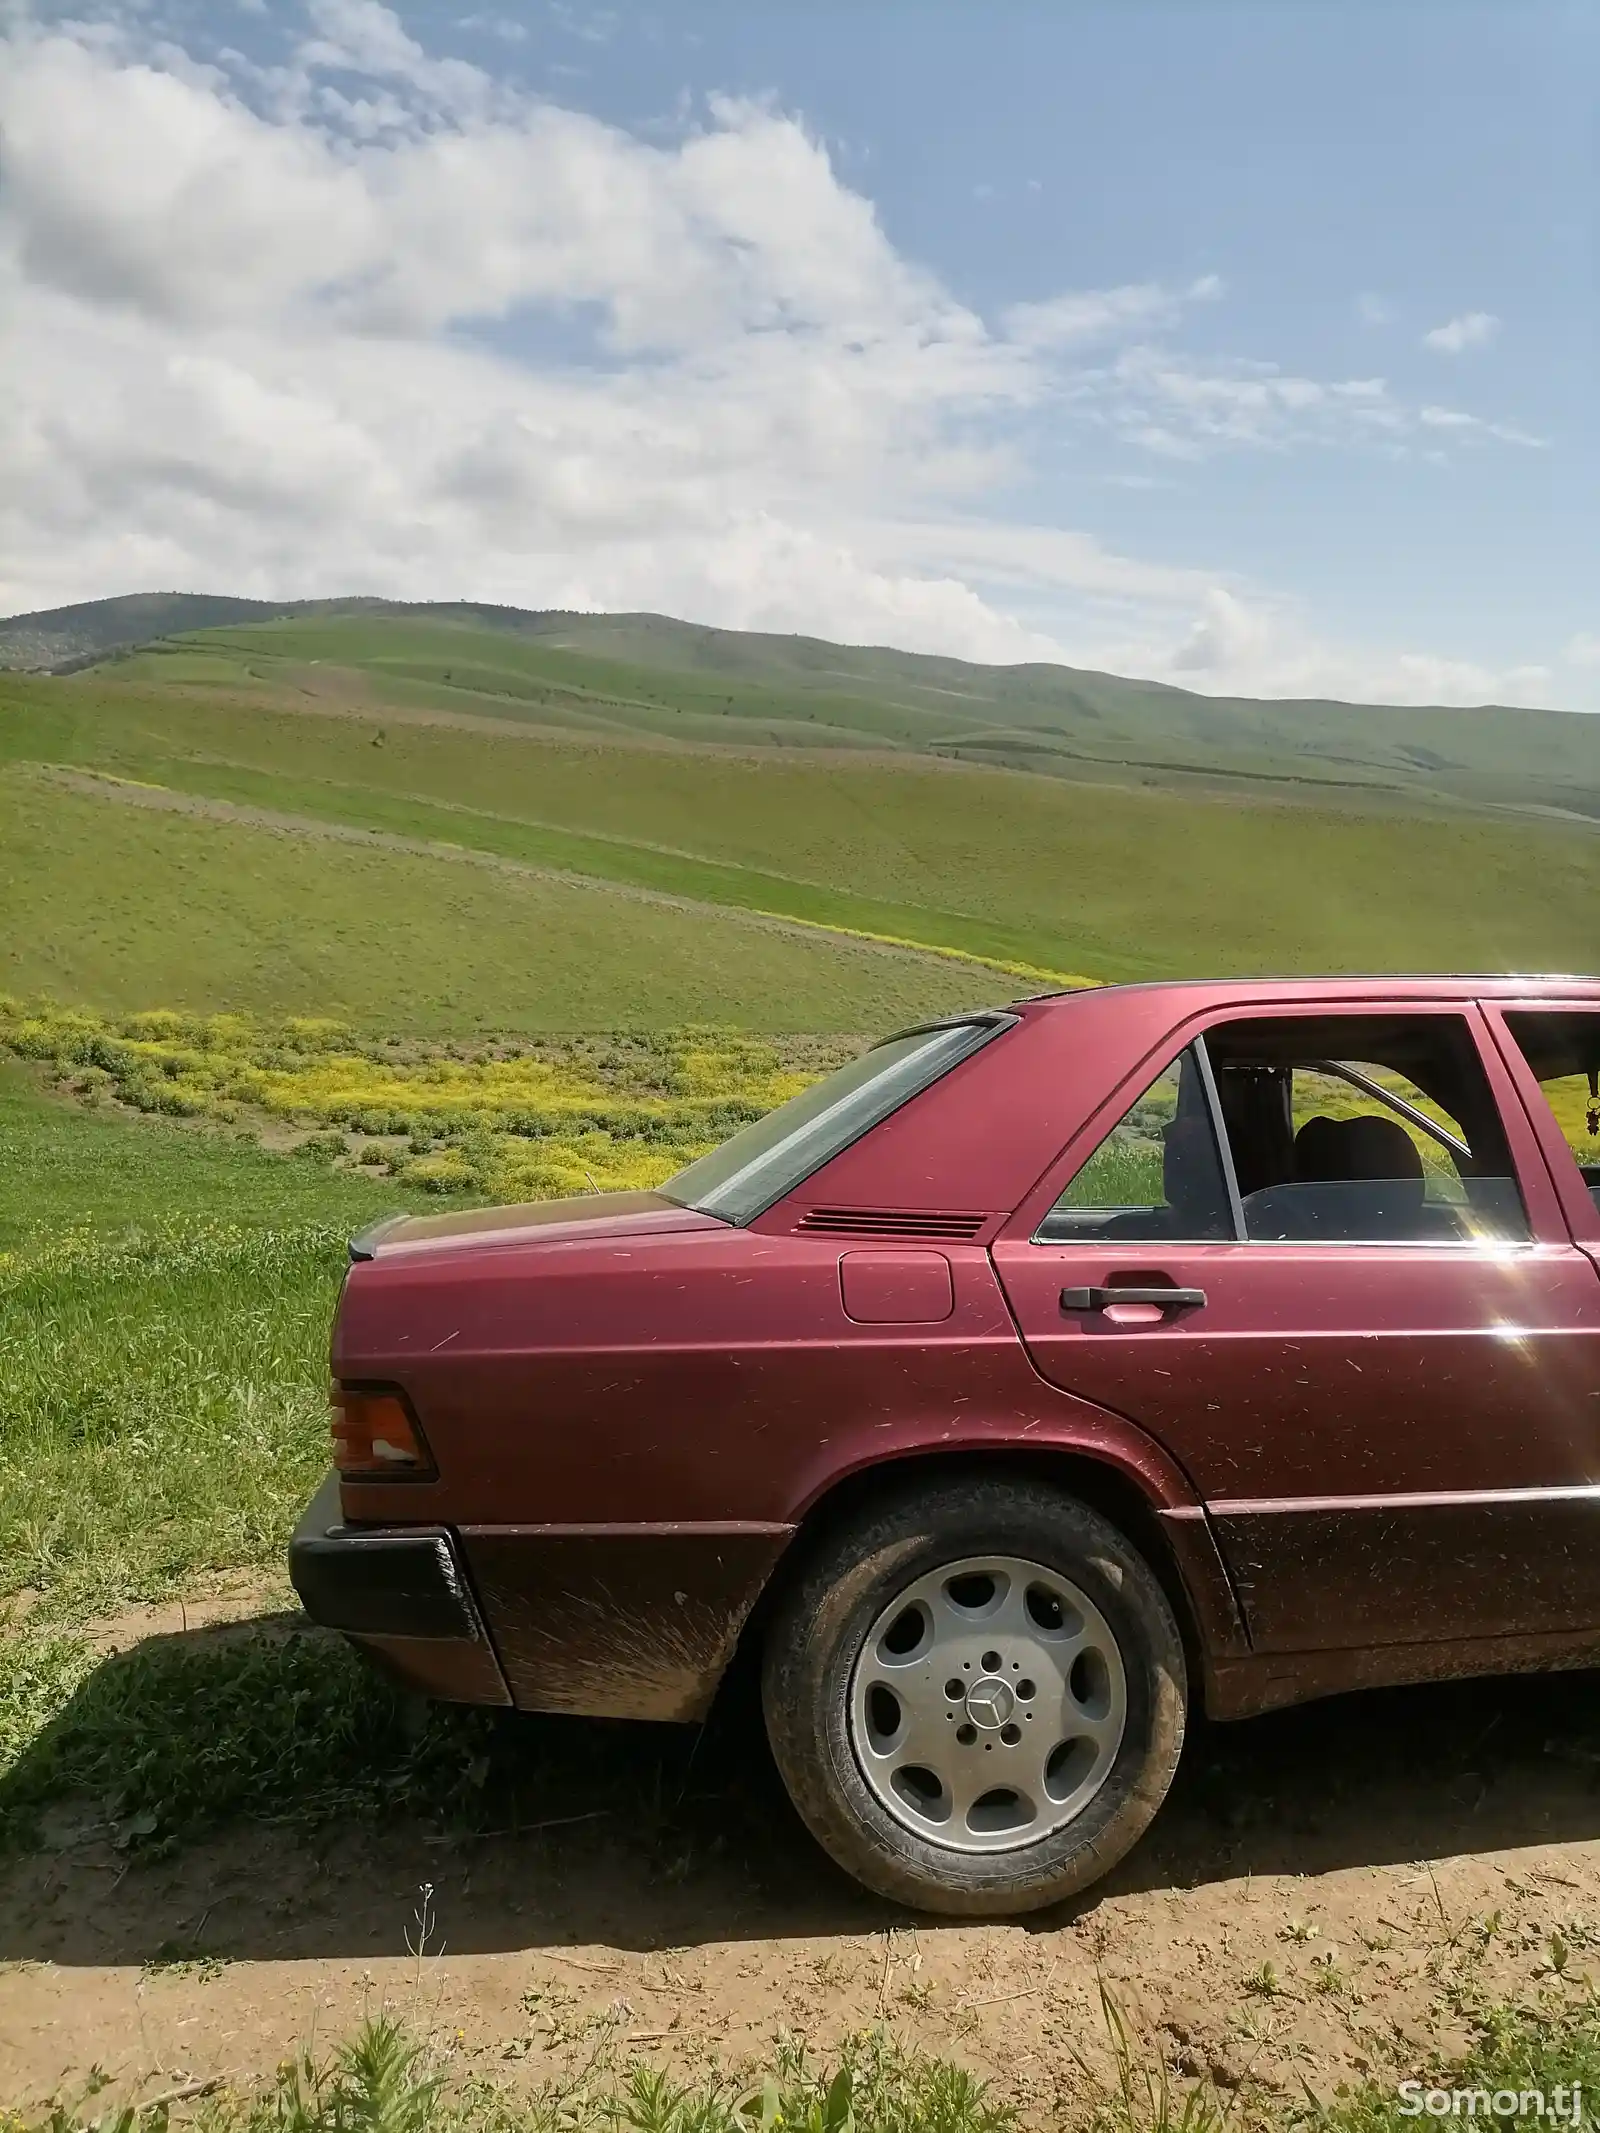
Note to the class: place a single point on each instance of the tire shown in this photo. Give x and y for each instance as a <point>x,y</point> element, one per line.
<point>889,1616</point>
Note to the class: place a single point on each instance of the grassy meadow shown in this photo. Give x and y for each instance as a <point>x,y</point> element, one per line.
<point>164,1305</point>
<point>124,907</point>
<point>166,1286</point>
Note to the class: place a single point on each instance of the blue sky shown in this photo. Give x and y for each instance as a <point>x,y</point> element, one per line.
<point>1252,347</point>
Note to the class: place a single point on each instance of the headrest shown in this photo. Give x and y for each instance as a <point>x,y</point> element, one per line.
<point>1380,1148</point>
<point>1319,1151</point>
<point>1341,1150</point>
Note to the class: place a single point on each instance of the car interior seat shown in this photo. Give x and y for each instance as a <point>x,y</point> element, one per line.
<point>1354,1180</point>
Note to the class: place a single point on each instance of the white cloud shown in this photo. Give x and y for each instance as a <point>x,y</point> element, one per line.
<point>1182,407</point>
<point>252,349</point>
<point>1043,558</point>
<point>1583,650</point>
<point>1471,330</point>
<point>505,27</point>
<point>372,320</point>
<point>1374,310</point>
<point>1099,314</point>
<point>592,25</point>
<point>1247,647</point>
<point>1454,419</point>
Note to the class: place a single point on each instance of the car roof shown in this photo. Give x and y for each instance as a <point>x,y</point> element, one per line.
<point>1385,984</point>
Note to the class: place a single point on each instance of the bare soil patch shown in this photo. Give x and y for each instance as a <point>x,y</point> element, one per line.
<point>1327,1895</point>
<point>253,1602</point>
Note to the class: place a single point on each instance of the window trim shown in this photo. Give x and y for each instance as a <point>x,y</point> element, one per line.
<point>1219,1134</point>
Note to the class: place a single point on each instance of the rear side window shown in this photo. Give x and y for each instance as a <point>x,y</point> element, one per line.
<point>743,1178</point>
<point>1307,1129</point>
<point>1378,1129</point>
<point>1563,1052</point>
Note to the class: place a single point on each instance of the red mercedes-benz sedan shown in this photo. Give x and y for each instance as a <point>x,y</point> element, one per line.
<point>1042,1369</point>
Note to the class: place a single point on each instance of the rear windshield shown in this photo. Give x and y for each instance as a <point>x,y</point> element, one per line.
<point>742,1178</point>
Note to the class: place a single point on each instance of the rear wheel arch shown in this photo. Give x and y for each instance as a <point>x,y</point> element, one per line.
<point>1082,1476</point>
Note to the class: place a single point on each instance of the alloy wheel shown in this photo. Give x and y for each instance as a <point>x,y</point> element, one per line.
<point>987,1704</point>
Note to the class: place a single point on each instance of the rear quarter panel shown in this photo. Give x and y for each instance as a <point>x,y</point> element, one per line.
<point>709,1377</point>
<point>629,1433</point>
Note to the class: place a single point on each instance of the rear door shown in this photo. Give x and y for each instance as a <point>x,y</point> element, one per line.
<point>1385,1388</point>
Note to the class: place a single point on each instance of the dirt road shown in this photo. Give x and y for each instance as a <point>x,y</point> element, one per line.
<point>1328,1893</point>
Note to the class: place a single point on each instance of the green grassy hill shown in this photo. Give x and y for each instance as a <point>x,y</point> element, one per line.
<point>125,905</point>
<point>650,675</point>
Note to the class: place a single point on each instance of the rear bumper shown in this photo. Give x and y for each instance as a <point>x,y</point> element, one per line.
<point>401,1595</point>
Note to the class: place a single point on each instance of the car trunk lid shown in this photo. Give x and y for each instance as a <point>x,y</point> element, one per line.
<point>636,1213</point>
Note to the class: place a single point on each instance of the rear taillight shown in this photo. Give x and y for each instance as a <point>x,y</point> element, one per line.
<point>375,1437</point>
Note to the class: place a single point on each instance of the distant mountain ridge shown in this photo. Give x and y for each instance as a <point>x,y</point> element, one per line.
<point>62,640</point>
<point>652,675</point>
<point>59,639</point>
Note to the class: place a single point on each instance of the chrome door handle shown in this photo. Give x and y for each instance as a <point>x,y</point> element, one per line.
<point>1103,1299</point>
